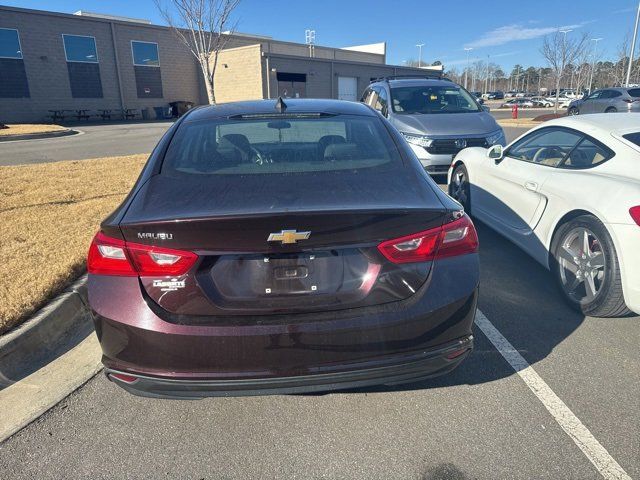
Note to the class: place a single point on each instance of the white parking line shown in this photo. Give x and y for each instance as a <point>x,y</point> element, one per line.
<point>596,453</point>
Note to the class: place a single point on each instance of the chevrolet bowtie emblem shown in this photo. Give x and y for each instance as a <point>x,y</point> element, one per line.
<point>288,236</point>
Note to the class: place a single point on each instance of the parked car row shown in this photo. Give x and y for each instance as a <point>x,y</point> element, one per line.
<point>298,245</point>
<point>528,102</point>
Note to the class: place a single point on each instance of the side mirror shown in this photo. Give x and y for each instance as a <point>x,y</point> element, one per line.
<point>486,108</point>
<point>495,152</point>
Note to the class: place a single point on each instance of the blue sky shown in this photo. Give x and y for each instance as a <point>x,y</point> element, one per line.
<point>509,32</point>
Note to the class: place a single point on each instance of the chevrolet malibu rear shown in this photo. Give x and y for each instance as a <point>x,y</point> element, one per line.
<point>282,248</point>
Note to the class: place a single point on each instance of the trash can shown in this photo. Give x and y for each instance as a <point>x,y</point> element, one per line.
<point>147,113</point>
<point>163,112</point>
<point>180,107</point>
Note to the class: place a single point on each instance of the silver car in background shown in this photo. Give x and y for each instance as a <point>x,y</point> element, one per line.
<point>608,100</point>
<point>436,116</point>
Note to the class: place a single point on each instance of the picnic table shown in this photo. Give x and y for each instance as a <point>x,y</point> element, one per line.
<point>57,115</point>
<point>105,114</point>
<point>81,114</point>
<point>128,113</point>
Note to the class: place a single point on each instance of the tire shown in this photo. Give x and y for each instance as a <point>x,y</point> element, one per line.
<point>573,111</point>
<point>611,110</point>
<point>459,187</point>
<point>598,292</point>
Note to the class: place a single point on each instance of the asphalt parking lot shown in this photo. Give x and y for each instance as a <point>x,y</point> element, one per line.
<point>570,411</point>
<point>94,141</point>
<point>482,421</point>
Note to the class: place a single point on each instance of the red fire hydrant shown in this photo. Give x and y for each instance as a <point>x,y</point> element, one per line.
<point>514,111</point>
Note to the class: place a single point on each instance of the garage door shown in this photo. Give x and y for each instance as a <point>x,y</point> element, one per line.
<point>348,88</point>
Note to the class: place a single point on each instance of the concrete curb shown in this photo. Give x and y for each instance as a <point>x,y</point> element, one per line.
<point>37,136</point>
<point>56,328</point>
<point>25,401</point>
<point>47,358</point>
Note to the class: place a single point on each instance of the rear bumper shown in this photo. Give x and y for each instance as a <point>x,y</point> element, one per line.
<point>407,369</point>
<point>276,353</point>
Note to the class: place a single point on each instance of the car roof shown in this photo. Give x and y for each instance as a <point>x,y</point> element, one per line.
<point>268,107</point>
<point>602,124</point>
<point>416,82</point>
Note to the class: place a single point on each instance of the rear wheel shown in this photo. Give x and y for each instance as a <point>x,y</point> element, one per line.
<point>574,111</point>
<point>611,110</point>
<point>587,269</point>
<point>459,188</point>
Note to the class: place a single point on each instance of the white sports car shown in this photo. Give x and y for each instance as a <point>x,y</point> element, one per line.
<point>568,193</point>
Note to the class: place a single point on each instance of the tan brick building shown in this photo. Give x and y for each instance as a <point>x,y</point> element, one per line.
<point>54,61</point>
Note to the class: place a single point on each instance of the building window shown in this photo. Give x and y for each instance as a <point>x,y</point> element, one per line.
<point>145,54</point>
<point>145,64</point>
<point>82,64</point>
<point>79,48</point>
<point>13,76</point>
<point>10,44</point>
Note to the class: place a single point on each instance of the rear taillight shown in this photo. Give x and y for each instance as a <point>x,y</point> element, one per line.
<point>451,239</point>
<point>635,214</point>
<point>111,256</point>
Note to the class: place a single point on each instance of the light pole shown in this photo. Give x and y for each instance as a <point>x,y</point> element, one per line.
<point>633,46</point>
<point>466,72</point>
<point>420,45</point>
<point>564,47</point>
<point>486,80</point>
<point>593,61</point>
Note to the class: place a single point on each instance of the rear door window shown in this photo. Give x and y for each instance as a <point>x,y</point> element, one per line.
<point>634,92</point>
<point>285,144</point>
<point>587,154</point>
<point>633,137</point>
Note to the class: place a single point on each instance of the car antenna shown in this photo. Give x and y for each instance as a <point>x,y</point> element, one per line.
<point>280,105</point>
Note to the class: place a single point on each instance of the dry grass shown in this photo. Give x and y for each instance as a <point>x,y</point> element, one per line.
<point>49,213</point>
<point>25,128</point>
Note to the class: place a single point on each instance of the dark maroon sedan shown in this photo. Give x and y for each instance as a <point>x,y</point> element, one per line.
<point>271,248</point>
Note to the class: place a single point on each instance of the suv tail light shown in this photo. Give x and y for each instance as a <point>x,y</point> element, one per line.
<point>451,239</point>
<point>111,256</point>
<point>635,214</point>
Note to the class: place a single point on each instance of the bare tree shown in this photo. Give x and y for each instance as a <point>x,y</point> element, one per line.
<point>412,62</point>
<point>582,68</point>
<point>619,70</point>
<point>204,26</point>
<point>560,51</point>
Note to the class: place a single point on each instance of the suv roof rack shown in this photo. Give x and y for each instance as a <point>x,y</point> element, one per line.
<point>428,76</point>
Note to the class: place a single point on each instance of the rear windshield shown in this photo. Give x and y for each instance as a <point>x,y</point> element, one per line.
<point>634,92</point>
<point>633,137</point>
<point>432,99</point>
<point>281,145</point>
